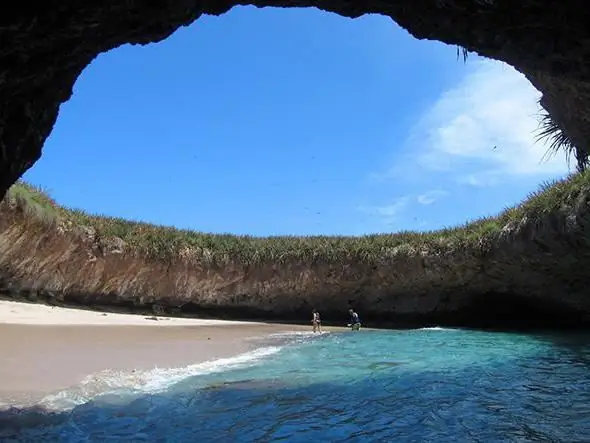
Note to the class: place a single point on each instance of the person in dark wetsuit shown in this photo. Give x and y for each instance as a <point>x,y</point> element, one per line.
<point>355,321</point>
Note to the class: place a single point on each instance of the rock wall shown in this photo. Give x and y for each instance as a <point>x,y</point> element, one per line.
<point>44,49</point>
<point>530,274</point>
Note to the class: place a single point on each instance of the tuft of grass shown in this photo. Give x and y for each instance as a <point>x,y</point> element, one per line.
<point>169,244</point>
<point>462,53</point>
<point>33,201</point>
<point>559,141</point>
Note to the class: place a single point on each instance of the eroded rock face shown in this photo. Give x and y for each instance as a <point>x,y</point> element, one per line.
<point>531,273</point>
<point>44,49</point>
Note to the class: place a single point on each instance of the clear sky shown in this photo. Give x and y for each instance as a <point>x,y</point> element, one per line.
<point>295,121</point>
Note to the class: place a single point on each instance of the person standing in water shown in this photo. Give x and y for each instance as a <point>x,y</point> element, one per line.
<point>316,321</point>
<point>355,321</point>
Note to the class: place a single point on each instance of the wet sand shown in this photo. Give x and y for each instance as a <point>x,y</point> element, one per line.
<point>36,360</point>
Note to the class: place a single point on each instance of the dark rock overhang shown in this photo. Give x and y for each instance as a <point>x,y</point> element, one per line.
<point>44,48</point>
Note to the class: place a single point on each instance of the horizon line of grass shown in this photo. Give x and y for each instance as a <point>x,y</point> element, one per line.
<point>169,244</point>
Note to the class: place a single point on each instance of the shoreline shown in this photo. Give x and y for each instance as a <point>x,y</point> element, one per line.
<point>44,349</point>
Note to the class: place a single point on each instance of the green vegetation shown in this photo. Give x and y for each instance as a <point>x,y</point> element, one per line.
<point>34,202</point>
<point>558,141</point>
<point>168,244</point>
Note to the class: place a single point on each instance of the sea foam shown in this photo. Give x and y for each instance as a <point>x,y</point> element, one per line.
<point>149,381</point>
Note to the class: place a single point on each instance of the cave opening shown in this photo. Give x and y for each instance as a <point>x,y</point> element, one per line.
<point>280,128</point>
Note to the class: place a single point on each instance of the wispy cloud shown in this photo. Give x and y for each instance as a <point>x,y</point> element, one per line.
<point>430,197</point>
<point>388,213</point>
<point>483,131</point>
<point>391,212</point>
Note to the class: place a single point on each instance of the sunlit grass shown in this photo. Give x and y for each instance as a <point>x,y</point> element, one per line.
<point>34,202</point>
<point>169,244</point>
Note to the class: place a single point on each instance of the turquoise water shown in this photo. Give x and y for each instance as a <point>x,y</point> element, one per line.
<point>429,385</point>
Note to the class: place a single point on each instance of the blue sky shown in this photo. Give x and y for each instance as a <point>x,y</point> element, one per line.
<point>295,121</point>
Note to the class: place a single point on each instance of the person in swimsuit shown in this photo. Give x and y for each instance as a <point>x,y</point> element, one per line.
<point>316,321</point>
<point>355,321</point>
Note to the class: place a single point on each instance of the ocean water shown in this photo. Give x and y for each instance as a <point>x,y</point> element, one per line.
<point>427,385</point>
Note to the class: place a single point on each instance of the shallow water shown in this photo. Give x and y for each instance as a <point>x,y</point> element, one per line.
<point>429,385</point>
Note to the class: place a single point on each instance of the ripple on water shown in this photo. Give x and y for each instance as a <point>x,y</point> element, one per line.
<point>421,385</point>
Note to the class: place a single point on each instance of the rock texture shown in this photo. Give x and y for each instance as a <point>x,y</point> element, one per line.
<point>44,49</point>
<point>531,273</point>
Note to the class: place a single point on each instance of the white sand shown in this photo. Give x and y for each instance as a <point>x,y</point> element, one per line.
<point>37,314</point>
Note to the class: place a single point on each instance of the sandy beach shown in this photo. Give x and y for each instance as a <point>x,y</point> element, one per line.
<point>44,349</point>
<point>38,314</point>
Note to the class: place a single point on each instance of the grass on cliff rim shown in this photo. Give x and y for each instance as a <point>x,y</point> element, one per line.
<point>33,201</point>
<point>169,244</point>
